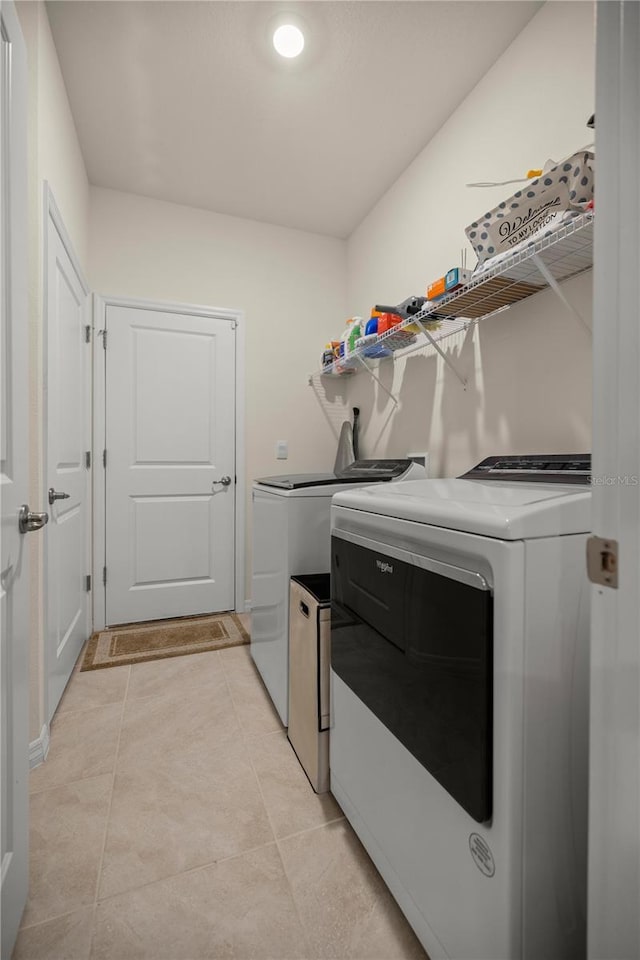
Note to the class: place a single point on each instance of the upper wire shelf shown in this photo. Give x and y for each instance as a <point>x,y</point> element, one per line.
<point>564,253</point>
<point>543,263</point>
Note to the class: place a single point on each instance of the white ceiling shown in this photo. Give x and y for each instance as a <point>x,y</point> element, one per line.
<point>188,102</point>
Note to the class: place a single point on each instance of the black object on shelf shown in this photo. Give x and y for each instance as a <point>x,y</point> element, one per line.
<point>356,433</point>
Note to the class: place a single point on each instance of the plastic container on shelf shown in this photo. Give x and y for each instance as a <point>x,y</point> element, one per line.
<point>343,349</point>
<point>342,363</point>
<point>387,320</point>
<point>372,348</point>
<point>355,332</point>
<point>372,326</point>
<point>329,354</point>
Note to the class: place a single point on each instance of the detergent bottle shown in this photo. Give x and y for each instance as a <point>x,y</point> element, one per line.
<point>344,339</point>
<point>355,332</point>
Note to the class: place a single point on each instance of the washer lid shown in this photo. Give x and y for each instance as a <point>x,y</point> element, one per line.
<point>360,471</point>
<point>493,509</point>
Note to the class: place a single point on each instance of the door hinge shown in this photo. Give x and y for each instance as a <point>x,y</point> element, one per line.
<point>602,561</point>
<point>104,576</point>
<point>87,583</point>
<point>104,459</point>
<point>87,334</point>
<point>87,459</point>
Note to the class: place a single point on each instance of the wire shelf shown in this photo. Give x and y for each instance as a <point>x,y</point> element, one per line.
<point>554,257</point>
<point>564,253</point>
<point>439,329</point>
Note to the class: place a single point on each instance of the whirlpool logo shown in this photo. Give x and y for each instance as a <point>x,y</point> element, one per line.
<point>384,567</point>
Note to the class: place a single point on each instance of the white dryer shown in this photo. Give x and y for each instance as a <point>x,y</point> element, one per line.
<point>291,537</point>
<point>458,745</point>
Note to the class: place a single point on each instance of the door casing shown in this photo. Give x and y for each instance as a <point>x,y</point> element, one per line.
<point>100,304</point>
<point>15,566</point>
<point>614,793</point>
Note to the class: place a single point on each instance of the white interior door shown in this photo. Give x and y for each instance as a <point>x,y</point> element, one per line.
<point>614,759</point>
<point>170,441</point>
<point>68,419</point>
<point>14,458</point>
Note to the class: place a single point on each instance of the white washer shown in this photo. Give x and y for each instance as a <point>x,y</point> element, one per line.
<point>291,536</point>
<point>459,700</point>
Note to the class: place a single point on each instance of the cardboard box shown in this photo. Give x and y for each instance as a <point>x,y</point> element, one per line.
<point>436,289</point>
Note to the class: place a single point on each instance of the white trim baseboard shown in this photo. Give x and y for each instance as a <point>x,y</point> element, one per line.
<point>38,749</point>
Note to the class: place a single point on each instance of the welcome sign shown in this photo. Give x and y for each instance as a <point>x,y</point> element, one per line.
<point>540,206</point>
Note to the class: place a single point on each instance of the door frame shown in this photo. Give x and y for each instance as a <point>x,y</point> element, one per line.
<point>614,792</point>
<point>14,237</point>
<point>51,211</point>
<point>100,304</point>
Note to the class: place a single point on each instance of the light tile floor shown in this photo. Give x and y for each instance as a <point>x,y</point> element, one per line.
<point>172,821</point>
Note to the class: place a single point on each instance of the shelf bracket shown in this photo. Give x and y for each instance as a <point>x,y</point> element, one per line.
<point>376,378</point>
<point>555,286</point>
<point>449,362</point>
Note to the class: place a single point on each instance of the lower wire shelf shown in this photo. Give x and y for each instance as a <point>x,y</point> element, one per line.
<point>394,343</point>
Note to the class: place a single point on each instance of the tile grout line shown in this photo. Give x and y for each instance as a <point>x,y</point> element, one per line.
<point>318,826</point>
<point>61,714</point>
<point>163,695</point>
<point>69,783</point>
<point>245,735</point>
<point>93,928</point>
<point>270,821</point>
<point>107,819</point>
<point>235,712</point>
<point>37,791</point>
<point>294,901</point>
<point>73,713</point>
<point>183,873</point>
<point>209,863</point>
<point>58,916</point>
<point>108,816</point>
<point>214,862</point>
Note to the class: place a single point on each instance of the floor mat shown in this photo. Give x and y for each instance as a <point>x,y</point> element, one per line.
<point>137,642</point>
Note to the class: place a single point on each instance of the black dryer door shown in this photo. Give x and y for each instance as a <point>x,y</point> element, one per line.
<point>415,645</point>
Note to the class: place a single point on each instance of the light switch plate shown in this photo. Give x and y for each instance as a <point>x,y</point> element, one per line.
<point>282,449</point>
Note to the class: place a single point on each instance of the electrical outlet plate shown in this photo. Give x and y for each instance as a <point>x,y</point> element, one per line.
<point>282,449</point>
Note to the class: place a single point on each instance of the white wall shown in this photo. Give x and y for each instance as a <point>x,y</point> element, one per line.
<point>529,368</point>
<point>291,286</point>
<point>54,155</point>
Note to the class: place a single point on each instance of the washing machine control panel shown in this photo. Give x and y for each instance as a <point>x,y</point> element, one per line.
<point>375,469</point>
<point>536,468</point>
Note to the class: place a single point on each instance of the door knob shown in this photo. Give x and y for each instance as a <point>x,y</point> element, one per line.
<point>54,495</point>
<point>225,481</point>
<point>28,522</point>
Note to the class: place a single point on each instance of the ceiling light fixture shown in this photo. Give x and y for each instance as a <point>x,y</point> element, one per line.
<point>288,40</point>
